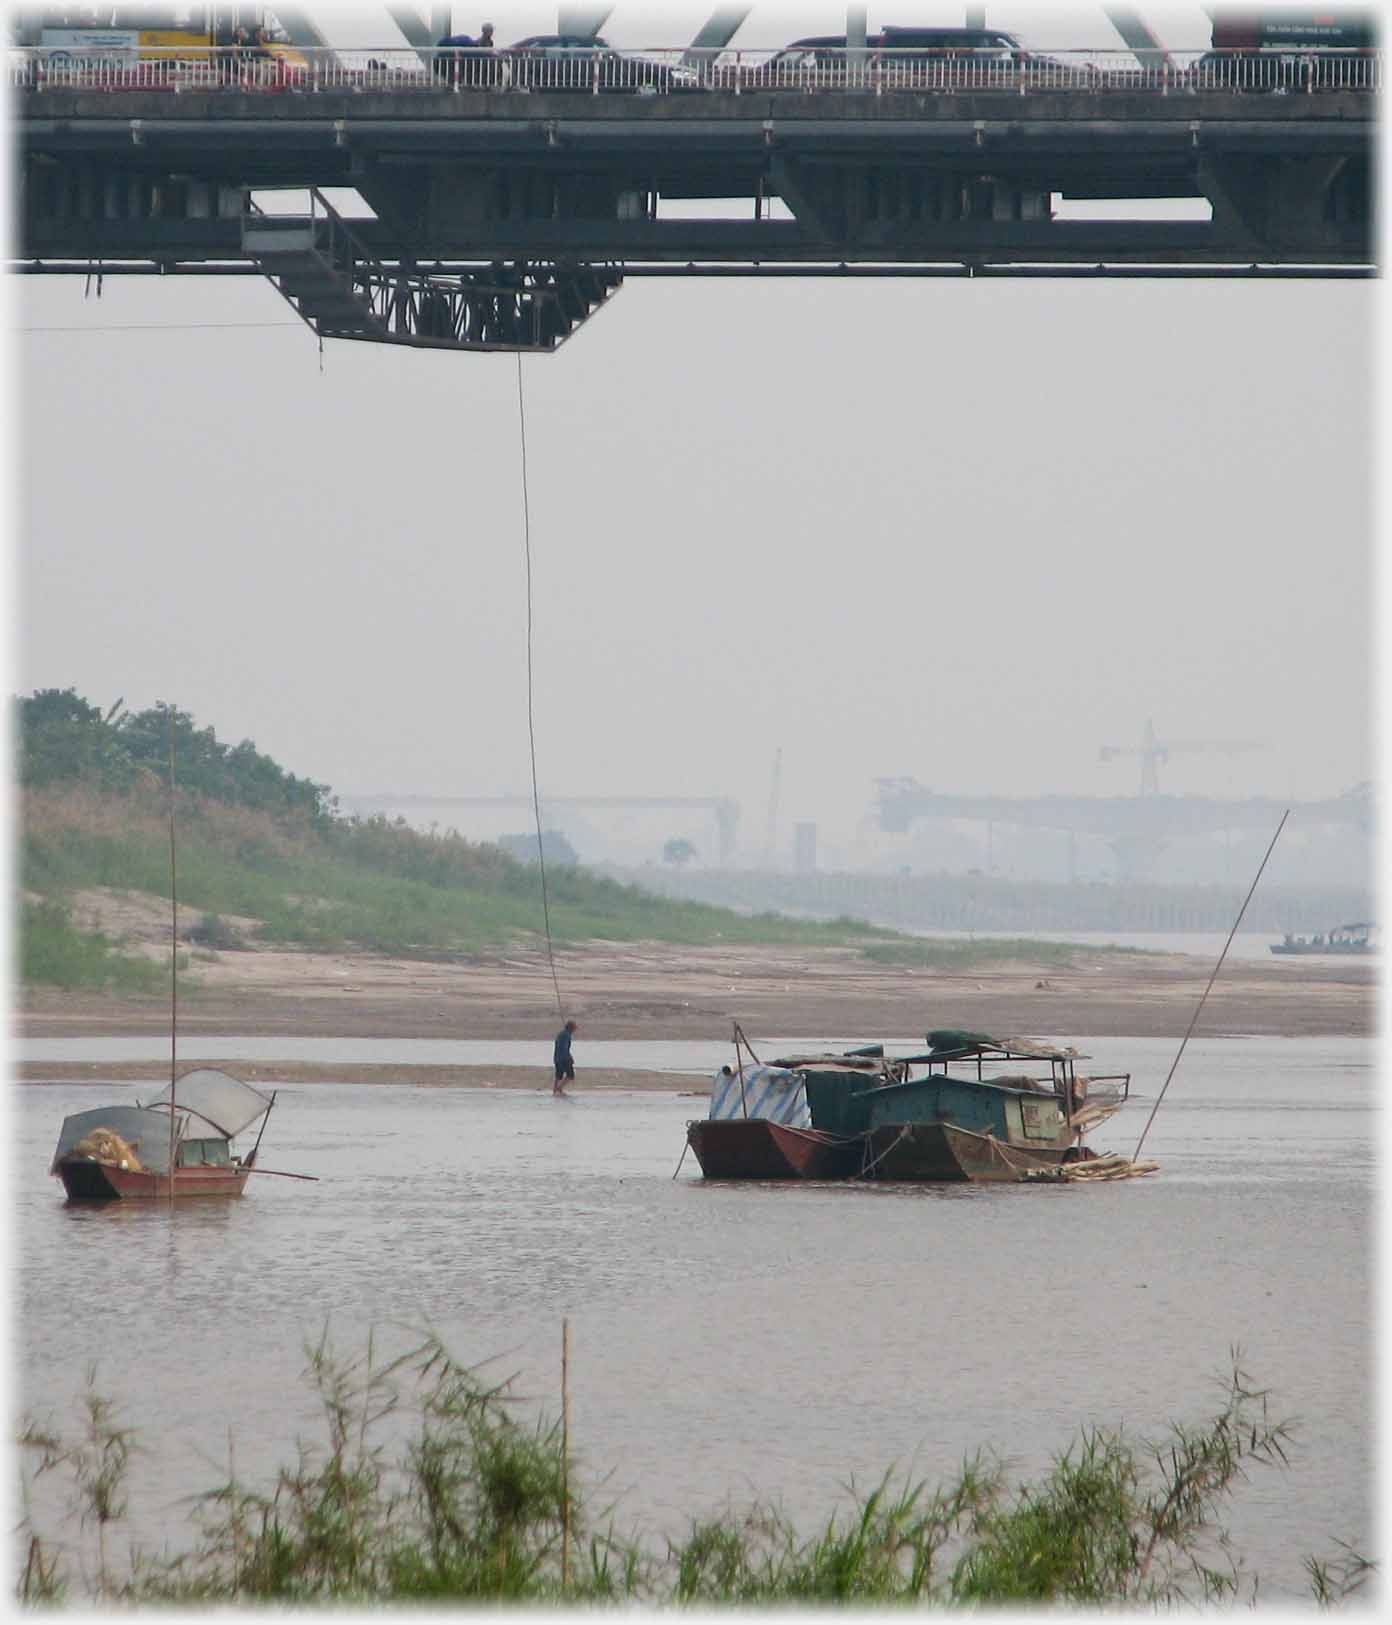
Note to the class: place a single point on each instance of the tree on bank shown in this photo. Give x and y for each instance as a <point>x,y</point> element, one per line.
<point>63,738</point>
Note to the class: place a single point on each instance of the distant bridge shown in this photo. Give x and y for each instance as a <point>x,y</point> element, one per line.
<point>1136,828</point>
<point>726,811</point>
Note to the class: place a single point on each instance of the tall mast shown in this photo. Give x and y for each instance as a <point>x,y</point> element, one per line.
<point>173,962</point>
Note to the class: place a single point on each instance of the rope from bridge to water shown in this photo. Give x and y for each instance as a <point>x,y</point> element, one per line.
<point>531,722</point>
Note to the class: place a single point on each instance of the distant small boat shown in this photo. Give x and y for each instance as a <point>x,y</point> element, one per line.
<point>122,1152</point>
<point>1343,939</point>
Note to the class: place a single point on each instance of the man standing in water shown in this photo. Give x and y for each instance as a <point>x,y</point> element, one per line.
<point>565,1065</point>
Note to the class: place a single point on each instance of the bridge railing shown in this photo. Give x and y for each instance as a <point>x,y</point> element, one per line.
<point>663,72</point>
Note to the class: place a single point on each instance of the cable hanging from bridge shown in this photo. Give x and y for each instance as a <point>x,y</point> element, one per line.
<point>531,719</point>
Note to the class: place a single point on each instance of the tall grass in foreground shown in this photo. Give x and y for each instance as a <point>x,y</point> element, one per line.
<point>468,1505</point>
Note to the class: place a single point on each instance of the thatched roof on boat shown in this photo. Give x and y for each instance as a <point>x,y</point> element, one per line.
<point>834,1063</point>
<point>143,1133</point>
<point>946,1042</point>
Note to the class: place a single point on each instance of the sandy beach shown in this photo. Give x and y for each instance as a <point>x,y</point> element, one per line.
<point>659,991</point>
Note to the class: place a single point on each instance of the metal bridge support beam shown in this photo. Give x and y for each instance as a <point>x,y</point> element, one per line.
<point>1302,187</point>
<point>419,33</point>
<point>1266,204</point>
<point>1137,34</point>
<point>726,822</point>
<point>717,31</point>
<point>584,21</point>
<point>321,268</point>
<point>297,26</point>
<point>806,196</point>
<point>1235,187</point>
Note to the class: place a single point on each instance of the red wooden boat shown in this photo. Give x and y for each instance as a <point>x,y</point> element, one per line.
<point>759,1128</point>
<point>758,1148</point>
<point>122,1152</point>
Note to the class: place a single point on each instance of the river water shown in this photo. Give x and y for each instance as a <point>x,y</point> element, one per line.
<point>736,1340</point>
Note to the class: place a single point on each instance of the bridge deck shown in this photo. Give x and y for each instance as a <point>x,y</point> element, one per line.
<point>913,178</point>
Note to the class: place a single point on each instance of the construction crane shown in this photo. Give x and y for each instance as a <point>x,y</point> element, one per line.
<point>1153,752</point>
<point>771,848</point>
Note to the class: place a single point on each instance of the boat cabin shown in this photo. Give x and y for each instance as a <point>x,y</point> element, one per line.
<point>1050,1104</point>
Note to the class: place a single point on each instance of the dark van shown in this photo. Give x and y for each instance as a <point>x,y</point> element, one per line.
<point>946,58</point>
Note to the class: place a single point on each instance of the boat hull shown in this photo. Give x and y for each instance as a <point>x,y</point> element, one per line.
<point>87,1181</point>
<point>933,1152</point>
<point>756,1148</point>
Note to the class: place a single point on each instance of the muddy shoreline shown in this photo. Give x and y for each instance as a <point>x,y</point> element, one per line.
<point>659,991</point>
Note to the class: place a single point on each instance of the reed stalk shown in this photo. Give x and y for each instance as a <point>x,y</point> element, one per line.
<point>471,1506</point>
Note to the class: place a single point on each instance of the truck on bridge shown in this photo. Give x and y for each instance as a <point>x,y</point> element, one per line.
<point>496,219</point>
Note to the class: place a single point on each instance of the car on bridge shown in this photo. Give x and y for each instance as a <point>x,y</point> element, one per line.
<point>584,62</point>
<point>901,58</point>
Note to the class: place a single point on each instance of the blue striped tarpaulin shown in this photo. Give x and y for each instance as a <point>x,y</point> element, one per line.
<point>771,1092</point>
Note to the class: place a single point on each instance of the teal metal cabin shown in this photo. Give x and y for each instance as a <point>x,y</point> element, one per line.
<point>955,1122</point>
<point>836,1100</point>
<point>1000,1108</point>
<point>852,1103</point>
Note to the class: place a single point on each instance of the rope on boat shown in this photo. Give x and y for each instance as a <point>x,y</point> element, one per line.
<point>864,1173</point>
<point>1110,1166</point>
<point>531,724</point>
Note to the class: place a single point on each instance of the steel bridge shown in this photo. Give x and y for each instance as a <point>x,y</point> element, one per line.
<point>507,206</point>
<point>1137,828</point>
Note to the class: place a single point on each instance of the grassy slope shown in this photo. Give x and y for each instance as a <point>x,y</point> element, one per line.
<point>378,887</point>
<point>385,888</point>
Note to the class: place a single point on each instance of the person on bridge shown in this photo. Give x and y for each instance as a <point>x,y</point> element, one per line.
<point>565,1064</point>
<point>483,69</point>
<point>449,55</point>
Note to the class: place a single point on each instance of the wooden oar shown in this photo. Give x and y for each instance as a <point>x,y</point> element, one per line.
<point>279,1174</point>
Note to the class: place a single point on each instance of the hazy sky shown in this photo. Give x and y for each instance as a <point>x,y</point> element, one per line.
<point>964,531</point>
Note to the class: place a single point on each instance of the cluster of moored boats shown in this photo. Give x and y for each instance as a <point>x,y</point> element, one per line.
<point>969,1107</point>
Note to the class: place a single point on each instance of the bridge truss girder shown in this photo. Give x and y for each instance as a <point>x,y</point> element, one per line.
<point>520,305</point>
<point>561,184</point>
<point>321,267</point>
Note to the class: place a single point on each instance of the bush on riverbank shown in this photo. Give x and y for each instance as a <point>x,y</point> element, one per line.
<point>475,1507</point>
<point>52,950</point>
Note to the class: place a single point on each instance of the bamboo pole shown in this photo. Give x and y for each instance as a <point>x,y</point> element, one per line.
<point>265,1118</point>
<point>739,1062</point>
<point>173,966</point>
<point>565,1455</point>
<point>1193,1022</point>
<point>742,1037</point>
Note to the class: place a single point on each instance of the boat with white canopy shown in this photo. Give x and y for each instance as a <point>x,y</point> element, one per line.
<point>121,1152</point>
